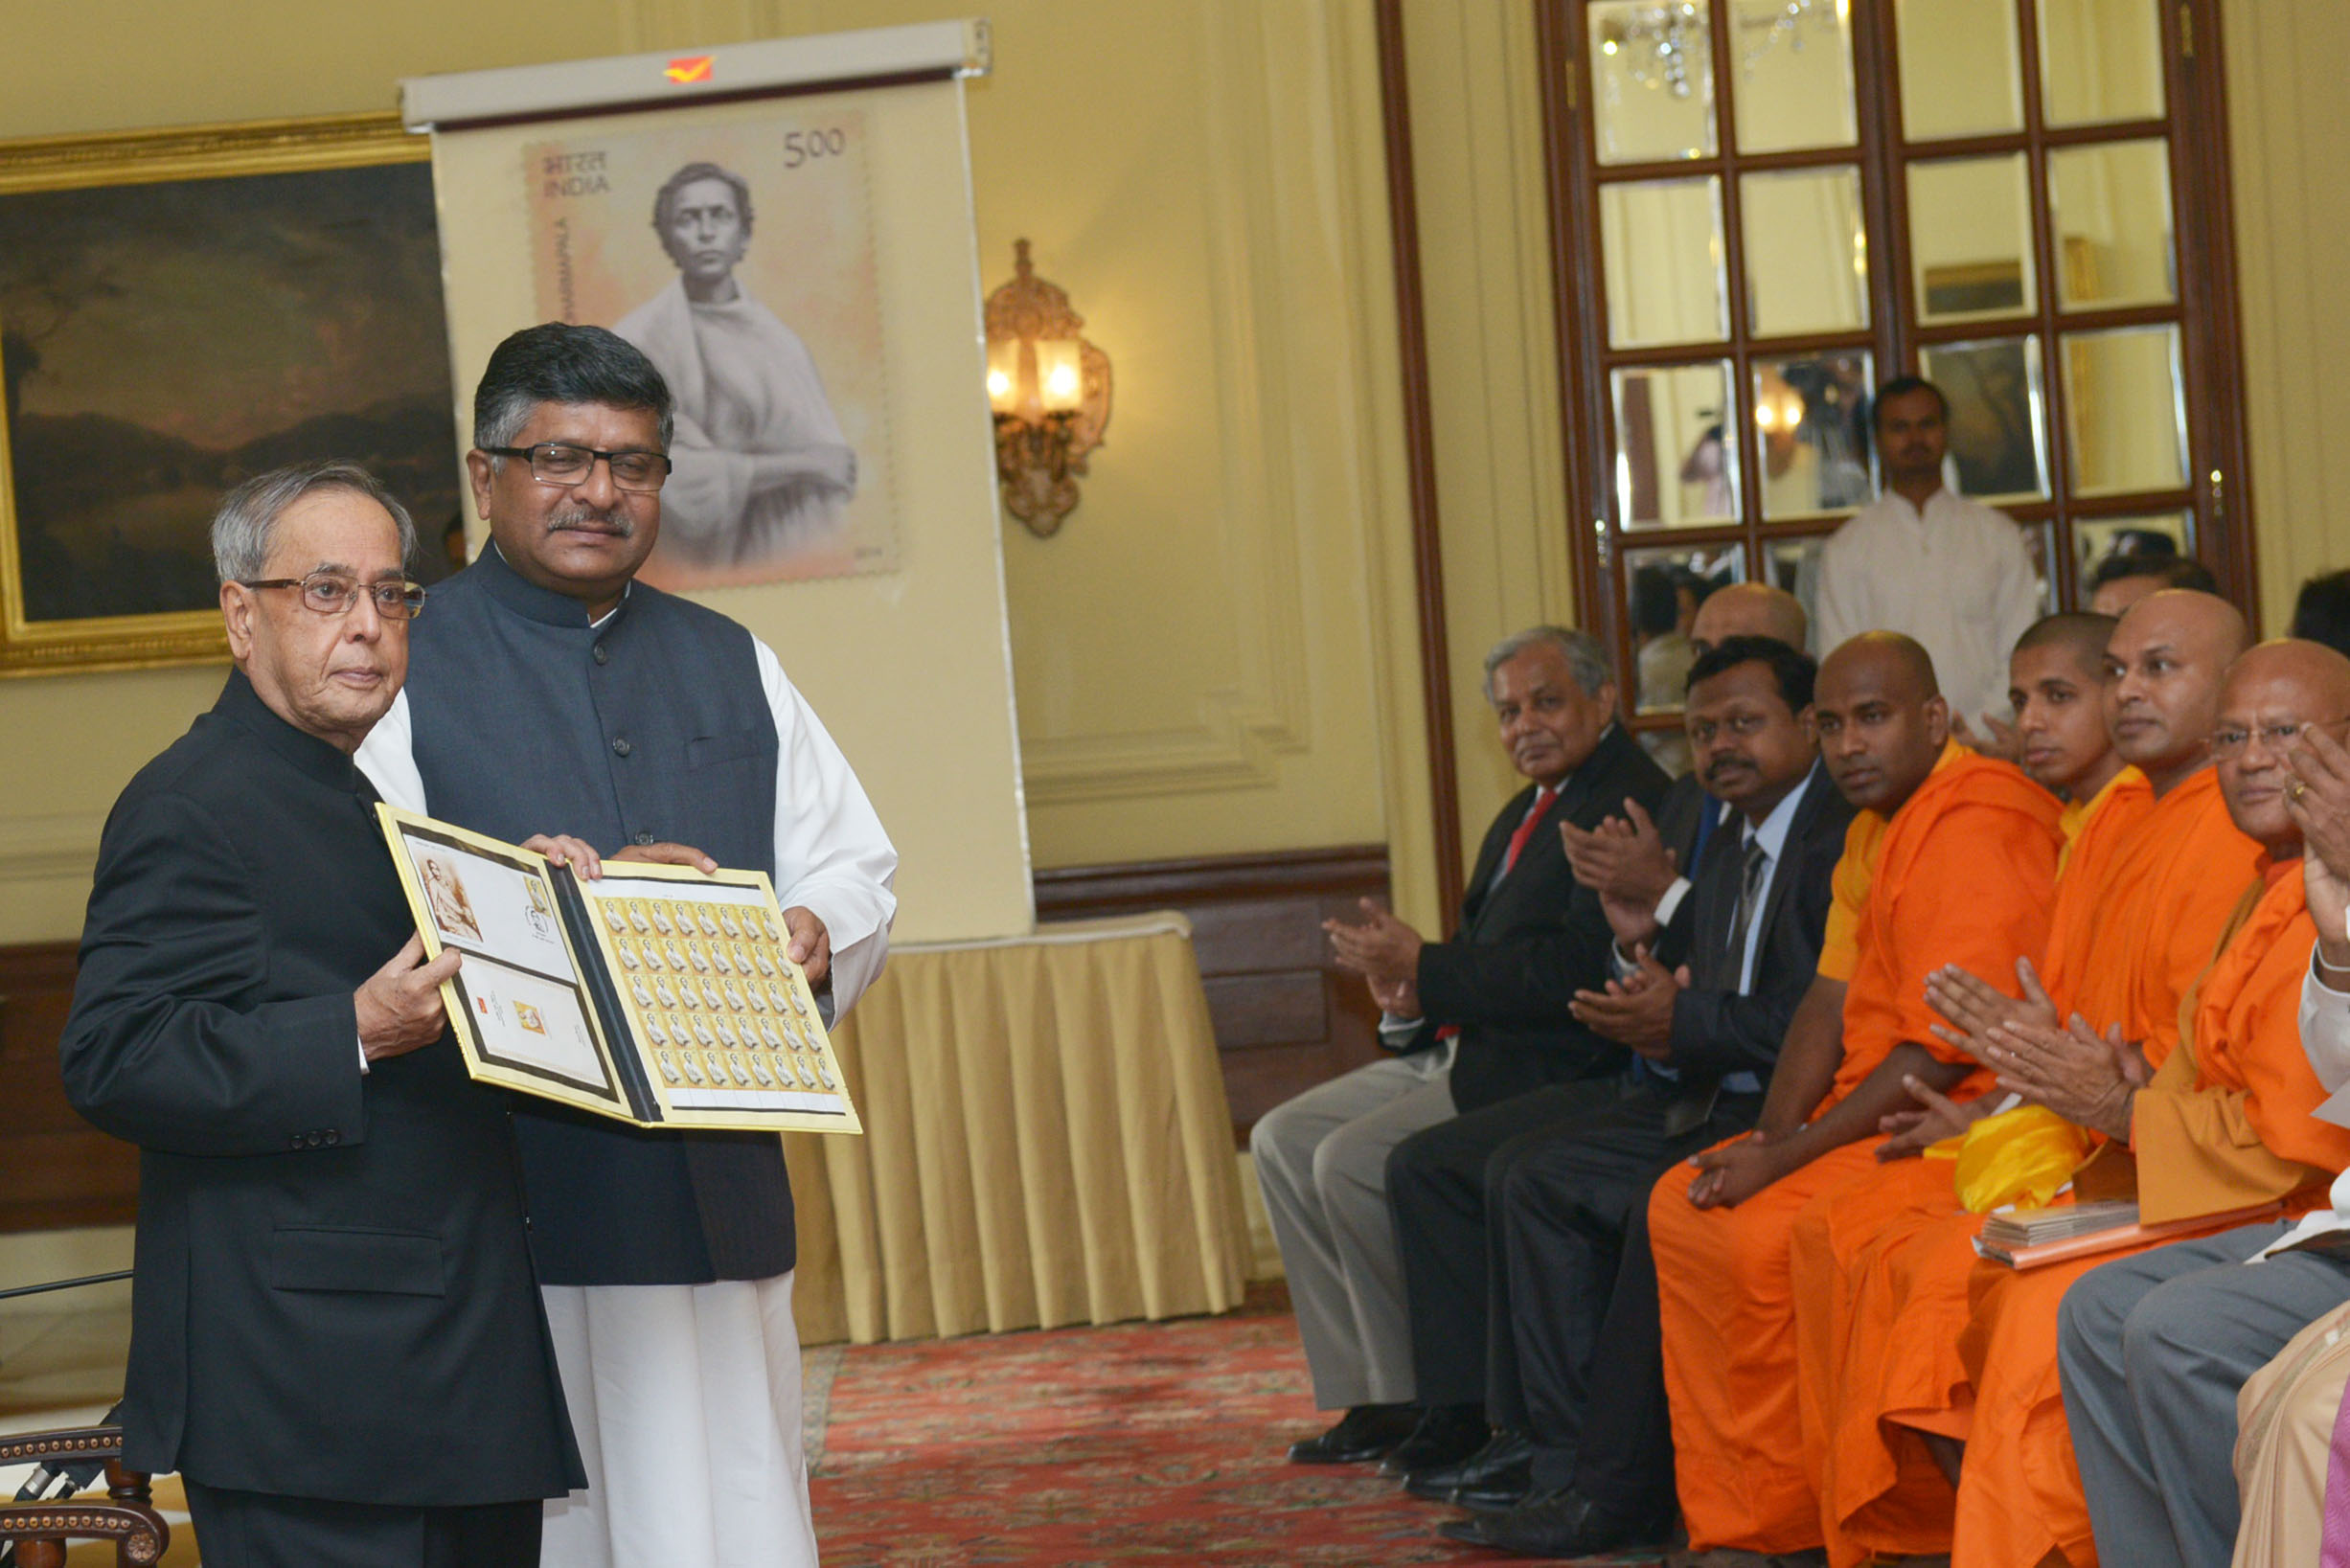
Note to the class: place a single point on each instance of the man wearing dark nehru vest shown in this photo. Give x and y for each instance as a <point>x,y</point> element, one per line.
<point>553,694</point>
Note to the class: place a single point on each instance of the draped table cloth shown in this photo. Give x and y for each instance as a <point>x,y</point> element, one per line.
<point>1046,1141</point>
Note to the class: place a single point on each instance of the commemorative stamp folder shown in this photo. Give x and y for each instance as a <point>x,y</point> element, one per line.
<point>656,995</point>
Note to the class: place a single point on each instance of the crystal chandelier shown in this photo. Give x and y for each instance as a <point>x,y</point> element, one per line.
<point>1655,44</point>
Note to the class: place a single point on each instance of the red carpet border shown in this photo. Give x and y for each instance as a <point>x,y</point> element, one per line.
<point>1140,1444</point>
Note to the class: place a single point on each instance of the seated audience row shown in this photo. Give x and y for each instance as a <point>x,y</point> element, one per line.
<point>1667,1213</point>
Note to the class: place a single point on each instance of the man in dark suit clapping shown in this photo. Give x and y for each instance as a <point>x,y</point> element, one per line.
<point>1561,1341</point>
<point>1471,1021</point>
<point>336,1333</point>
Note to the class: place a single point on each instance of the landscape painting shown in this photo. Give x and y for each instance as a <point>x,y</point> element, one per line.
<point>162,339</point>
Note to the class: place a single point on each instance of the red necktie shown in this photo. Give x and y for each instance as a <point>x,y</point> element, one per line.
<point>1543,795</point>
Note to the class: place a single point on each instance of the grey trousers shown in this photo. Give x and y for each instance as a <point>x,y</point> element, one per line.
<point>1321,1162</point>
<point>2152,1351</point>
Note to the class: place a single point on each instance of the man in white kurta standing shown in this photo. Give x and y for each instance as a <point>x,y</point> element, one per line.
<point>561,693</point>
<point>762,467</point>
<point>1949,571</point>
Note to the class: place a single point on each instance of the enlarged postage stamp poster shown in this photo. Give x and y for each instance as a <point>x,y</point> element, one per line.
<point>739,257</point>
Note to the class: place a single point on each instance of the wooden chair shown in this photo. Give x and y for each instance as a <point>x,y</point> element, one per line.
<point>126,1517</point>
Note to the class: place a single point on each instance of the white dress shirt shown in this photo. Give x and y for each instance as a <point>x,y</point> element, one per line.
<point>832,856</point>
<point>1956,576</point>
<point>2325,1040</point>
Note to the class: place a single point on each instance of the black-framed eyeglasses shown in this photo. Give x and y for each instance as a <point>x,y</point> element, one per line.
<point>329,593</point>
<point>2230,743</point>
<point>559,462</point>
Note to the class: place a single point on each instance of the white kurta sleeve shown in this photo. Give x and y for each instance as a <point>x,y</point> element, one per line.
<point>2020,602</point>
<point>1837,608</point>
<point>2325,1029</point>
<point>830,852</point>
<point>388,758</point>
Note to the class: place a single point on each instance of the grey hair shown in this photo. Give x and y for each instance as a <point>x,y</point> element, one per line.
<point>557,362</point>
<point>1580,648</point>
<point>246,525</point>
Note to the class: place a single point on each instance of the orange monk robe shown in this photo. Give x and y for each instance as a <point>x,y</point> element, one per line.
<point>1965,874</point>
<point>2228,1121</point>
<point>2158,896</point>
<point>1847,1309</point>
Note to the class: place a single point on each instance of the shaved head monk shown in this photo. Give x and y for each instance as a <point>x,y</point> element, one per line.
<point>2148,885</point>
<point>2056,681</point>
<point>1966,855</point>
<point>2220,1120</point>
<point>1749,609</point>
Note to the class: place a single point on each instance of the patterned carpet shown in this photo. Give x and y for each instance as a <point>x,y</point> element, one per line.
<point>1141,1443</point>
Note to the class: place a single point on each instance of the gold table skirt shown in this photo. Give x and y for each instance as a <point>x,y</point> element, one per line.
<point>1046,1141</point>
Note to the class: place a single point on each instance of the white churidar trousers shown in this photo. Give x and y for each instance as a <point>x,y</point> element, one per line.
<point>686,1402</point>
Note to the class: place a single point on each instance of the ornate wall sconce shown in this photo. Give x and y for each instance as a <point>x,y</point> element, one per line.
<point>1050,391</point>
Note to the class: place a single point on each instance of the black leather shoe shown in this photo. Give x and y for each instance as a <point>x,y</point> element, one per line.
<point>1506,1461</point>
<point>1445,1435</point>
<point>1560,1523</point>
<point>1365,1432</point>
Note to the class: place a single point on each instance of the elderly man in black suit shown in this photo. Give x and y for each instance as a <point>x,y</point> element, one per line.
<point>1471,1021</point>
<point>336,1337</point>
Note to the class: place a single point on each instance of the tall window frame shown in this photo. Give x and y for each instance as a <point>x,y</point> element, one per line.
<point>2206,501</point>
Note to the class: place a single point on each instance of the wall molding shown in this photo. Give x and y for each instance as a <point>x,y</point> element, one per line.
<point>56,845</point>
<point>1255,240</point>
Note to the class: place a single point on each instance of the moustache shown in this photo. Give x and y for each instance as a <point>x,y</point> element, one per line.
<point>1721,765</point>
<point>614,521</point>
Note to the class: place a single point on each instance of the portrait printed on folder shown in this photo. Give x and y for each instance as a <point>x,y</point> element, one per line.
<point>657,995</point>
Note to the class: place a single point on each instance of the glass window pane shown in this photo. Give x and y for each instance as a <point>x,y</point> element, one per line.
<point>2096,541</point>
<point>2039,543</point>
<point>1971,237</point>
<point>2125,419</point>
<point>1661,241</point>
<point>1806,253</point>
<point>2110,207</point>
<point>1998,411</point>
<point>1794,87</point>
<point>1667,585</point>
<point>1794,564</point>
<point>2100,62</point>
<point>1961,72</point>
<point>1674,467</point>
<point>1811,414</point>
<point>1652,80</point>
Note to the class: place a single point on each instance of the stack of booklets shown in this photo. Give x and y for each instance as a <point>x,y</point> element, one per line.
<point>2030,1238</point>
<point>655,995</point>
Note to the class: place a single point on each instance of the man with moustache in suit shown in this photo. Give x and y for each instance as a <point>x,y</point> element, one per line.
<point>1471,1021</point>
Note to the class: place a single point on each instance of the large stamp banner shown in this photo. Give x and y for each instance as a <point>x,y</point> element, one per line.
<point>740,257</point>
<point>776,222</point>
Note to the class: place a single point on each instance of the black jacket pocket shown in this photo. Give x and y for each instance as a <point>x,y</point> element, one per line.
<point>336,1258</point>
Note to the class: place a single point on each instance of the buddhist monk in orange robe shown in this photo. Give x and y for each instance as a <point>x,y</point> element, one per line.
<point>2140,908</point>
<point>1966,865</point>
<point>2226,1121</point>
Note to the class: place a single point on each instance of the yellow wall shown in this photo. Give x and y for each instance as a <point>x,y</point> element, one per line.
<point>2288,122</point>
<point>1215,655</point>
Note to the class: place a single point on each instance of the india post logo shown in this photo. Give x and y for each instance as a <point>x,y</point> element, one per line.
<point>689,68</point>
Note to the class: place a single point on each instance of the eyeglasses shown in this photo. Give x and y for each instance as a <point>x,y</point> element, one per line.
<point>558,463</point>
<point>329,593</point>
<point>2231,742</point>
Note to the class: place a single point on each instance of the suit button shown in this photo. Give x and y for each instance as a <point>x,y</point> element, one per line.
<point>333,1137</point>
<point>620,744</point>
<point>602,655</point>
<point>643,839</point>
<point>317,1139</point>
<point>297,1140</point>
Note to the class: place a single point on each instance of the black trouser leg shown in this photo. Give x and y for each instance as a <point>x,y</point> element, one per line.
<point>1572,1217</point>
<point>1436,1189</point>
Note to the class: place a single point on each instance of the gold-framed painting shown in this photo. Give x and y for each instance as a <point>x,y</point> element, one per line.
<point>181,309</point>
